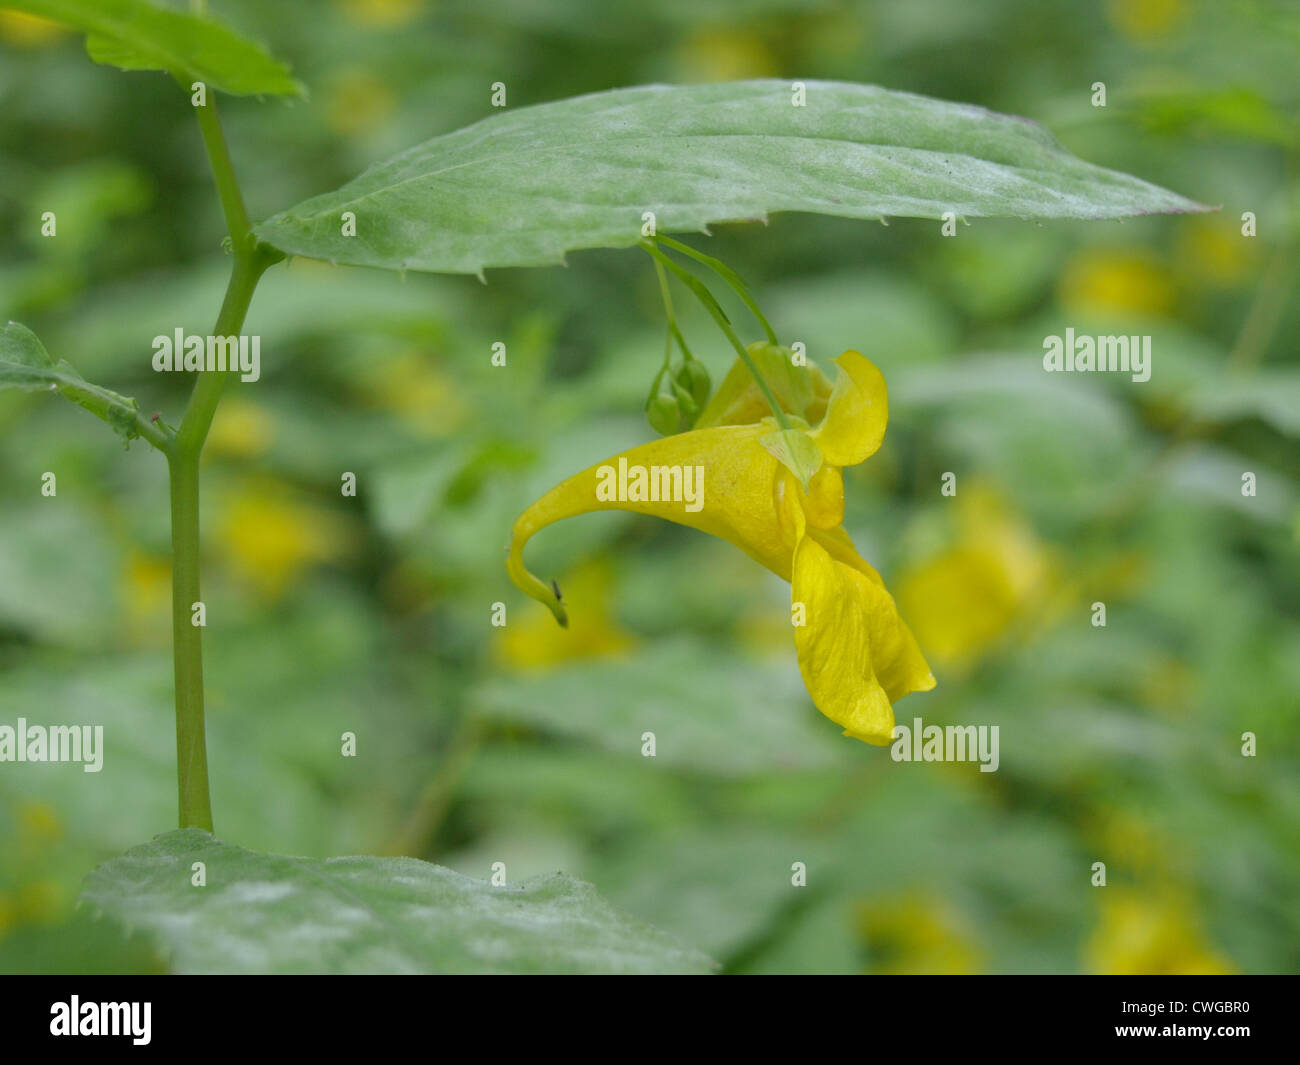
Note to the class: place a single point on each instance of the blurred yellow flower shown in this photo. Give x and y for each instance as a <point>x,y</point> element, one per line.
<point>38,821</point>
<point>725,54</point>
<point>1110,280</point>
<point>1168,685</point>
<point>856,654</point>
<point>1212,250</point>
<point>357,101</point>
<point>147,595</point>
<point>1146,20</point>
<point>40,901</point>
<point>1126,840</point>
<point>916,935</point>
<point>270,538</point>
<point>963,600</point>
<point>381,14</point>
<point>242,429</point>
<point>421,394</point>
<point>534,641</point>
<point>28,31</point>
<point>1143,932</point>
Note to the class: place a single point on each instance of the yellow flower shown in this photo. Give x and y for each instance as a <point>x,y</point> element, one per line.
<point>1150,933</point>
<point>28,31</point>
<point>855,653</point>
<point>425,398</point>
<point>916,934</point>
<point>1146,20</point>
<point>40,902</point>
<point>382,14</point>
<point>147,591</point>
<point>535,643</point>
<point>964,600</point>
<point>726,54</point>
<point>271,538</point>
<point>1214,253</point>
<point>39,821</point>
<point>242,430</point>
<point>1116,281</point>
<point>357,102</point>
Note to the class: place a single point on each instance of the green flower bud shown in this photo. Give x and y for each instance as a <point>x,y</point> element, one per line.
<point>686,402</point>
<point>663,414</point>
<point>694,377</point>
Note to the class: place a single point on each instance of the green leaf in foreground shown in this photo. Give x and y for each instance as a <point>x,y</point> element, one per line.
<point>523,187</point>
<point>25,364</point>
<point>266,913</point>
<point>137,35</point>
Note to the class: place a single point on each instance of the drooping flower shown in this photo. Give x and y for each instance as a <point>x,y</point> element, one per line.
<point>778,495</point>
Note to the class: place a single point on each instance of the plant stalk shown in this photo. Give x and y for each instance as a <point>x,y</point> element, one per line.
<point>250,262</point>
<point>719,315</point>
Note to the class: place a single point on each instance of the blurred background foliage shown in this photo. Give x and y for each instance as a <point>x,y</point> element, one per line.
<point>522,744</point>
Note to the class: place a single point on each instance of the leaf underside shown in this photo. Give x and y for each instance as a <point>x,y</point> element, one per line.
<point>267,913</point>
<point>524,187</point>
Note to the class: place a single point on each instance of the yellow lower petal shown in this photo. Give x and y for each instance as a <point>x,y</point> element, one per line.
<point>855,653</point>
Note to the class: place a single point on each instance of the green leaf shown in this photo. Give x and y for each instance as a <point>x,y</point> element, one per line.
<point>524,187</point>
<point>136,35</point>
<point>1270,394</point>
<point>25,364</point>
<point>267,913</point>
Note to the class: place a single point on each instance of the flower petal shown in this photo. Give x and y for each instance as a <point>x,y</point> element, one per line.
<point>722,479</point>
<point>855,653</point>
<point>857,413</point>
<point>801,389</point>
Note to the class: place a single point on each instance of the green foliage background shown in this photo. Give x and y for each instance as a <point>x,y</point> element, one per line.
<point>522,745</point>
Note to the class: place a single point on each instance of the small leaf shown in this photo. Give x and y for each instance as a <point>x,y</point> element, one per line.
<point>136,35</point>
<point>25,364</point>
<point>795,450</point>
<point>525,186</point>
<point>268,913</point>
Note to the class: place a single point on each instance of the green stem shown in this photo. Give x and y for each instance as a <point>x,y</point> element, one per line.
<point>730,276</point>
<point>251,260</point>
<point>711,305</point>
<point>674,331</point>
<point>183,464</point>
<point>111,409</point>
<point>187,648</point>
<point>223,171</point>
